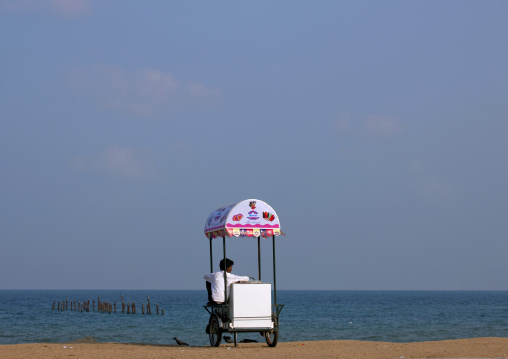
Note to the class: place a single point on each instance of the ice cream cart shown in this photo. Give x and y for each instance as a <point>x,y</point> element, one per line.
<point>250,307</point>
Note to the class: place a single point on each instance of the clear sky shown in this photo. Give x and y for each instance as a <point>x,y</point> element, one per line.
<point>377,130</point>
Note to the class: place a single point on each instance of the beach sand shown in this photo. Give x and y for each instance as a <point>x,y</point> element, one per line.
<point>462,348</point>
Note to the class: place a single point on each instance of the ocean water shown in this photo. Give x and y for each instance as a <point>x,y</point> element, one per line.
<point>394,316</point>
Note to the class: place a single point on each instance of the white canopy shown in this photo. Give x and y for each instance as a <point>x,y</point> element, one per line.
<point>248,218</point>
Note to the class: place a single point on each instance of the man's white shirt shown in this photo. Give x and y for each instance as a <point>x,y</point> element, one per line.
<point>217,281</point>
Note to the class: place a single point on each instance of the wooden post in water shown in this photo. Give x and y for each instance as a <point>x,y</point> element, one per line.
<point>148,308</point>
<point>162,311</point>
<point>53,307</point>
<point>128,307</point>
<point>115,307</point>
<point>142,308</point>
<point>157,308</point>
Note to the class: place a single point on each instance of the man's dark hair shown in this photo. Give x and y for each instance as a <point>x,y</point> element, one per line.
<point>229,263</point>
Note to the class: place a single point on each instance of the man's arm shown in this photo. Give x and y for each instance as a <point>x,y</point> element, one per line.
<point>237,278</point>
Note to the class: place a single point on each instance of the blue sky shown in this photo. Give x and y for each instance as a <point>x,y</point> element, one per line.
<point>375,129</point>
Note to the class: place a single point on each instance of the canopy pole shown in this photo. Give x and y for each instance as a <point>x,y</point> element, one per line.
<point>274,276</point>
<point>211,255</point>
<point>259,259</point>
<point>225,270</point>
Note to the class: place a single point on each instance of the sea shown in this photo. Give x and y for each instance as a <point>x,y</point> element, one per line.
<point>32,316</point>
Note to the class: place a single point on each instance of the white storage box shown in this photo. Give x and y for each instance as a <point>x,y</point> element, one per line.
<point>251,305</point>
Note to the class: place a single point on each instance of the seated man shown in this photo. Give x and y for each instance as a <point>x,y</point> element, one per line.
<point>216,280</point>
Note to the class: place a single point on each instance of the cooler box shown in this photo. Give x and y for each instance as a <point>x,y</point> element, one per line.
<point>251,305</point>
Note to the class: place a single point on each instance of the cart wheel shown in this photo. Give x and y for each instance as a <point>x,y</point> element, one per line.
<point>272,338</point>
<point>215,331</point>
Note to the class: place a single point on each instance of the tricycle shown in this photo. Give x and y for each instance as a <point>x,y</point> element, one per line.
<point>249,307</point>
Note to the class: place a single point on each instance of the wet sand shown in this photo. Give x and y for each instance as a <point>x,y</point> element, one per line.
<point>462,348</point>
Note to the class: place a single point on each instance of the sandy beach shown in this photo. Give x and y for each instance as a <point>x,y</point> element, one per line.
<point>462,348</point>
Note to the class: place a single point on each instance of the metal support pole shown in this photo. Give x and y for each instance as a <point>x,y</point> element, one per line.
<point>274,276</point>
<point>211,256</point>
<point>225,271</point>
<point>259,259</point>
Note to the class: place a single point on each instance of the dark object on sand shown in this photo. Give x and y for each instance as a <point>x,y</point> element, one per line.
<point>248,341</point>
<point>227,339</point>
<point>179,342</point>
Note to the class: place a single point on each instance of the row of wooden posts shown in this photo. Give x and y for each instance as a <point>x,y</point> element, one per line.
<point>104,307</point>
